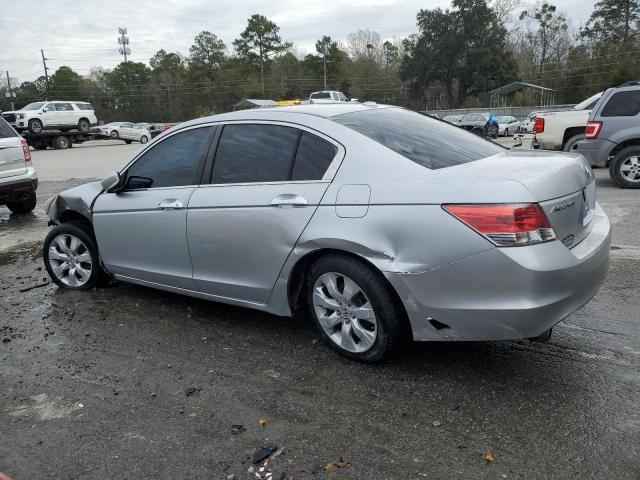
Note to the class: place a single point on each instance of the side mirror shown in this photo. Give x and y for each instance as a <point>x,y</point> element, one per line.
<point>112,183</point>
<point>136,183</point>
<point>45,109</point>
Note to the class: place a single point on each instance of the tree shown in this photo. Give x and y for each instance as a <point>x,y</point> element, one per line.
<point>207,53</point>
<point>65,83</point>
<point>549,28</point>
<point>613,22</point>
<point>462,49</point>
<point>365,45</point>
<point>259,42</point>
<point>391,54</point>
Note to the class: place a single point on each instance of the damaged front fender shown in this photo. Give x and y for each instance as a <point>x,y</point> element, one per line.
<point>76,201</point>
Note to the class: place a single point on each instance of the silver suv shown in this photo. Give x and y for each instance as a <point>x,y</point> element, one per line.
<point>18,179</point>
<point>612,135</point>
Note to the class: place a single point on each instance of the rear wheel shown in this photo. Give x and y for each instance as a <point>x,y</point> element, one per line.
<point>354,309</point>
<point>624,168</point>
<point>143,139</point>
<point>114,134</point>
<point>84,125</point>
<point>572,144</point>
<point>35,126</point>
<point>70,255</point>
<point>23,206</point>
<point>127,142</point>
<point>61,142</point>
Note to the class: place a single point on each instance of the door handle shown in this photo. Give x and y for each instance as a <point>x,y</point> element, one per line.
<point>289,200</point>
<point>170,204</point>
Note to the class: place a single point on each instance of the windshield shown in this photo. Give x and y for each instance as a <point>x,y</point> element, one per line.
<point>34,106</point>
<point>589,103</point>
<point>474,117</point>
<point>318,95</point>
<point>451,118</point>
<point>426,141</point>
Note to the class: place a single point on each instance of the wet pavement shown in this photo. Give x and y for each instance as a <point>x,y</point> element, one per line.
<point>95,384</point>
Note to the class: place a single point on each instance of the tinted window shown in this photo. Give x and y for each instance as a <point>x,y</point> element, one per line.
<point>84,106</point>
<point>5,130</point>
<point>64,107</point>
<point>319,95</point>
<point>254,153</point>
<point>174,161</point>
<point>313,158</point>
<point>622,104</point>
<point>424,140</point>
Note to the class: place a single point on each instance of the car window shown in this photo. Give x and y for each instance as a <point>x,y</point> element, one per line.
<point>84,106</point>
<point>313,157</point>
<point>33,106</point>
<point>174,161</point>
<point>51,106</point>
<point>320,95</point>
<point>622,104</point>
<point>589,103</point>
<point>254,153</point>
<point>64,107</point>
<point>424,140</point>
<point>125,125</point>
<point>5,130</point>
<point>343,97</point>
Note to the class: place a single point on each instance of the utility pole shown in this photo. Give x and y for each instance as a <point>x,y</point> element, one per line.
<point>124,41</point>
<point>324,69</point>
<point>10,94</point>
<point>46,73</point>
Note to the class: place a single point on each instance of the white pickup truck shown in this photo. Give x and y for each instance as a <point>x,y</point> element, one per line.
<point>563,130</point>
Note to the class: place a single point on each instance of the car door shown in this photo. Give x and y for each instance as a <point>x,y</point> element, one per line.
<point>267,181</point>
<point>66,114</point>
<point>50,115</point>
<point>125,131</point>
<point>141,230</point>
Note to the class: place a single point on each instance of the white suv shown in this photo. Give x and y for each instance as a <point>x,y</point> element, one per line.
<point>59,115</point>
<point>328,96</point>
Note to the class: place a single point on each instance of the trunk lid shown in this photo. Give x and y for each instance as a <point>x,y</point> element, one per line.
<point>12,161</point>
<point>563,184</point>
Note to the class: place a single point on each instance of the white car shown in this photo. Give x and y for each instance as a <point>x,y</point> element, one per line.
<point>127,131</point>
<point>507,125</point>
<point>328,96</point>
<point>529,122</point>
<point>562,130</point>
<point>18,179</point>
<point>57,115</point>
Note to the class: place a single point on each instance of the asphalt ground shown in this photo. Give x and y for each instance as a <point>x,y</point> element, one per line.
<point>125,382</point>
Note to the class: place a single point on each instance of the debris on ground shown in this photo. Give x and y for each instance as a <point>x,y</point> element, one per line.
<point>271,373</point>
<point>264,473</point>
<point>339,464</point>
<point>238,429</point>
<point>262,422</point>
<point>263,452</point>
<point>277,453</point>
<point>489,457</point>
<point>37,285</point>
<point>193,391</point>
<point>437,423</point>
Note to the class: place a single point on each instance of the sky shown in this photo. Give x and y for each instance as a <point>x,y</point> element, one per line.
<point>83,34</point>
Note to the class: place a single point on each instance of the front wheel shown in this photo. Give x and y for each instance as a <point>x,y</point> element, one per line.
<point>23,206</point>
<point>572,143</point>
<point>35,126</point>
<point>624,168</point>
<point>143,139</point>
<point>114,134</point>
<point>71,257</point>
<point>354,309</point>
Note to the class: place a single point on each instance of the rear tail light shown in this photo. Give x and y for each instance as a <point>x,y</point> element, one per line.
<point>506,225</point>
<point>592,130</point>
<point>26,151</point>
<point>538,126</point>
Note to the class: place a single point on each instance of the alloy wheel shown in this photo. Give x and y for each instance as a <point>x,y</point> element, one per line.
<point>70,260</point>
<point>344,312</point>
<point>630,169</point>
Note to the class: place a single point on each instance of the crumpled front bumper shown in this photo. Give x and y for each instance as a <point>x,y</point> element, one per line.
<point>506,293</point>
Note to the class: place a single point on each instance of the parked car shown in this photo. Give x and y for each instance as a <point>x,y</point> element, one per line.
<point>480,124</point>
<point>57,115</point>
<point>376,221</point>
<point>154,129</point>
<point>328,96</point>
<point>508,125</point>
<point>529,123</point>
<point>562,130</point>
<point>18,178</point>
<point>612,135</point>
<point>453,119</point>
<point>126,131</point>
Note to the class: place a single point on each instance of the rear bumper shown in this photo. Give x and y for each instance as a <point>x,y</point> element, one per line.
<point>13,188</point>
<point>506,293</point>
<point>596,151</point>
<point>541,143</point>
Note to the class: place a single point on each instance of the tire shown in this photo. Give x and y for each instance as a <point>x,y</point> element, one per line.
<point>371,341</point>
<point>572,144</point>
<point>506,132</point>
<point>23,206</point>
<point>40,146</point>
<point>624,168</point>
<point>84,125</point>
<point>143,139</point>
<point>128,142</point>
<point>114,134</point>
<point>61,142</point>
<point>58,252</point>
<point>35,126</point>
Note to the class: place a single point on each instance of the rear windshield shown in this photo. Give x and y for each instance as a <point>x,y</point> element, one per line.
<point>428,142</point>
<point>319,95</point>
<point>84,106</point>
<point>5,130</point>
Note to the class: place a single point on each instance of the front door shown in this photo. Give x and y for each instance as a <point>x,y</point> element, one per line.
<point>141,231</point>
<point>267,182</point>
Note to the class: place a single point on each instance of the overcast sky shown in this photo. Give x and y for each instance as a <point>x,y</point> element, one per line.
<point>83,34</point>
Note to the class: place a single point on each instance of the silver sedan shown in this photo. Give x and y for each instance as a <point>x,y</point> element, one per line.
<point>380,223</point>
<point>126,131</point>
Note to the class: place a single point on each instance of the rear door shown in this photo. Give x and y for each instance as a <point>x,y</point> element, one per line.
<point>66,114</point>
<point>11,154</point>
<point>126,131</point>
<point>267,181</point>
